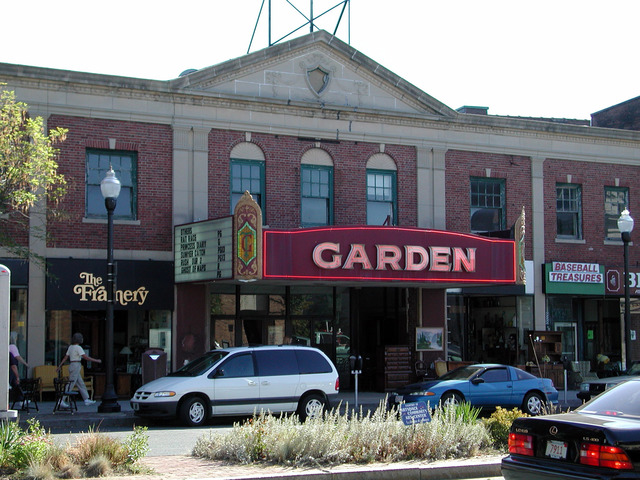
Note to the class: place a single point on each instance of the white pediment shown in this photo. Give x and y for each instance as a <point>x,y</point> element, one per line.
<point>317,69</point>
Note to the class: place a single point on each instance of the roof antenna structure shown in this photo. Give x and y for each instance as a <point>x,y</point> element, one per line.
<point>310,20</point>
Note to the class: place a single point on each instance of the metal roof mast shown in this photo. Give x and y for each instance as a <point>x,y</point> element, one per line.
<point>346,5</point>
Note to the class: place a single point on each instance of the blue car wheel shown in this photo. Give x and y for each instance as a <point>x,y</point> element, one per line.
<point>451,399</point>
<point>533,404</point>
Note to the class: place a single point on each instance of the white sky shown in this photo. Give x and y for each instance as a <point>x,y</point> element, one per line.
<point>551,58</point>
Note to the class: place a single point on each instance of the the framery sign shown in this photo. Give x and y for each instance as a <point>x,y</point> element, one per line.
<point>388,254</point>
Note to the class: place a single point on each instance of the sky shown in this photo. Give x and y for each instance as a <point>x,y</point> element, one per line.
<point>544,58</point>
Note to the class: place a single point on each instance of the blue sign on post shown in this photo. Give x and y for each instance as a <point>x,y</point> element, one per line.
<point>415,412</point>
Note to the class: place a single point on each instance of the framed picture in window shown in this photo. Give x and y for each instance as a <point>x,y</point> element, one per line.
<point>429,339</point>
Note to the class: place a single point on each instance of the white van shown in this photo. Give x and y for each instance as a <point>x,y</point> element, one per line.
<point>240,381</point>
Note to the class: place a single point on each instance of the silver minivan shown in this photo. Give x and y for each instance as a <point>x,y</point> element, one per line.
<point>241,381</point>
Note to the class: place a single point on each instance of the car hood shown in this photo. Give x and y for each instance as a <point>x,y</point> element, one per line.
<point>423,386</point>
<point>167,383</point>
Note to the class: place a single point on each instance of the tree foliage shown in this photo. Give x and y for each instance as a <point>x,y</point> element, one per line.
<point>28,168</point>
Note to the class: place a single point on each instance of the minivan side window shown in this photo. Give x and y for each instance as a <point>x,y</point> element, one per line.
<point>276,362</point>
<point>312,362</point>
<point>238,366</point>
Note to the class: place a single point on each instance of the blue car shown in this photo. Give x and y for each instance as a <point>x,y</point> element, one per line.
<point>482,385</point>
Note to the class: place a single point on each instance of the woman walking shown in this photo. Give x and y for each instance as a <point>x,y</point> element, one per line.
<point>75,354</point>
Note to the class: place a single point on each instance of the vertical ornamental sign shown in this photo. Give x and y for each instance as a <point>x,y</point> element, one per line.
<point>248,239</point>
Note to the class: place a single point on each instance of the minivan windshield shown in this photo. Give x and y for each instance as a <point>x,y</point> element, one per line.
<point>200,365</point>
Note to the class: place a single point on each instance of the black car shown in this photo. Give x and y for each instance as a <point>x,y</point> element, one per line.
<point>599,440</point>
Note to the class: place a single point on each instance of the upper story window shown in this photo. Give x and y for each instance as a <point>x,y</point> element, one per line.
<point>487,204</point>
<point>247,174</point>
<point>125,166</point>
<point>568,211</point>
<point>616,199</point>
<point>316,185</point>
<point>382,199</point>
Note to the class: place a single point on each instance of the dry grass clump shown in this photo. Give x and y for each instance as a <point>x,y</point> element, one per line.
<point>33,455</point>
<point>340,438</point>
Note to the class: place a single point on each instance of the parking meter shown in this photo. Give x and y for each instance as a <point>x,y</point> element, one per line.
<point>356,369</point>
<point>356,364</point>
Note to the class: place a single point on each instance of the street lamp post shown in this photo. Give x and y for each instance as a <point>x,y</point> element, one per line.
<point>110,188</point>
<point>625,225</point>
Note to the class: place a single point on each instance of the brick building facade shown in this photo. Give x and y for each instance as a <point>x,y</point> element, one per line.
<point>316,110</point>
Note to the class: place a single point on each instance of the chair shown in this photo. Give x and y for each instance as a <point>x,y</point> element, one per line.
<point>441,367</point>
<point>30,388</point>
<point>420,368</point>
<point>64,394</point>
<point>46,374</point>
<point>88,381</point>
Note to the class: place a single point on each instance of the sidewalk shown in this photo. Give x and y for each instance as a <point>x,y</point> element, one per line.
<point>88,417</point>
<point>184,467</point>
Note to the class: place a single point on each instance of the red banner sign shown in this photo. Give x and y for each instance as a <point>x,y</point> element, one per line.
<point>384,254</point>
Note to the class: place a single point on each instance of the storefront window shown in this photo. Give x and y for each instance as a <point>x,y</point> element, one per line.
<point>58,336</point>
<point>262,319</point>
<point>524,322</point>
<point>456,313</point>
<point>311,301</point>
<point>159,337</point>
<point>223,304</point>
<point>18,324</point>
<point>135,332</point>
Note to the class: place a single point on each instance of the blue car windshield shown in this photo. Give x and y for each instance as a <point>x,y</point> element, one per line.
<point>200,364</point>
<point>462,373</point>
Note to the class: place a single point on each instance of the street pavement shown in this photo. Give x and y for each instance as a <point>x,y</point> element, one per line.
<point>179,467</point>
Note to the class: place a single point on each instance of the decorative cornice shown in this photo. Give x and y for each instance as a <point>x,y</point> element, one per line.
<point>456,128</point>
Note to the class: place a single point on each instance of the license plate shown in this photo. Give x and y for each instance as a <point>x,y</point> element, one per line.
<point>135,406</point>
<point>556,449</point>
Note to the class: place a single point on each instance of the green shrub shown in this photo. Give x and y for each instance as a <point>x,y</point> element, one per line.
<point>33,453</point>
<point>499,424</point>
<point>466,413</point>
<point>136,445</point>
<point>19,448</point>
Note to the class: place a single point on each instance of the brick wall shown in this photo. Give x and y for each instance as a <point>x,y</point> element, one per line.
<point>153,144</point>
<point>515,170</point>
<point>625,115</point>
<point>592,177</point>
<point>282,171</point>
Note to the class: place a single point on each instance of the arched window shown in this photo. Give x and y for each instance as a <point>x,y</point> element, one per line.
<point>316,188</point>
<point>247,174</point>
<point>382,203</point>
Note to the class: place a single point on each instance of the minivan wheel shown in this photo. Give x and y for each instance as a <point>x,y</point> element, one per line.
<point>311,406</point>
<point>193,412</point>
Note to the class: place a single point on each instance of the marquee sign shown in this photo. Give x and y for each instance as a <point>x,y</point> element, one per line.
<point>368,253</point>
<point>203,250</point>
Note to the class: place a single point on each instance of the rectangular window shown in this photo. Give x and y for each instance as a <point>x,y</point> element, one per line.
<point>247,175</point>
<point>487,204</point>
<point>616,199</point>
<point>125,166</point>
<point>381,197</point>
<point>568,211</point>
<point>317,195</point>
